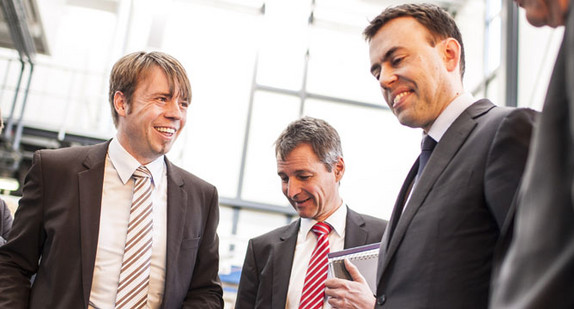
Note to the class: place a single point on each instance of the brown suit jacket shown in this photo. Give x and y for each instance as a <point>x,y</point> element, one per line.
<point>55,235</point>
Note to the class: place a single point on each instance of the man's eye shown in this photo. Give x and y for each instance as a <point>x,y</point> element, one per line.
<point>396,61</point>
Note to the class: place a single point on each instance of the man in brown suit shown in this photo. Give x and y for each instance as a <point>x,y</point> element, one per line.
<point>71,226</point>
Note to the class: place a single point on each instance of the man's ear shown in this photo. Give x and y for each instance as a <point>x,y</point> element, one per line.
<point>339,169</point>
<point>120,103</point>
<point>451,54</point>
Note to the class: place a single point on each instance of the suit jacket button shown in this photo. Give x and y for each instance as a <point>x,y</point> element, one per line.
<point>381,300</point>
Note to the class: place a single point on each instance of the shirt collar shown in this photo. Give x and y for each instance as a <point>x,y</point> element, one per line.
<point>336,220</point>
<point>449,115</point>
<point>125,164</point>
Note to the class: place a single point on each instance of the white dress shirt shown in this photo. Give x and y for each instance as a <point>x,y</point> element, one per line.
<point>306,242</point>
<point>449,115</point>
<point>443,122</point>
<point>116,203</point>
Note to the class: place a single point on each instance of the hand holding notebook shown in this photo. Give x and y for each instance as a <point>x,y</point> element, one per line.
<point>351,289</point>
<point>365,258</point>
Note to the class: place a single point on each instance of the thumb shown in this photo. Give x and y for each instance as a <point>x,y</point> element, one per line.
<point>354,272</point>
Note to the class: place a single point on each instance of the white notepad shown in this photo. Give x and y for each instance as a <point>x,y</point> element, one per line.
<point>364,257</point>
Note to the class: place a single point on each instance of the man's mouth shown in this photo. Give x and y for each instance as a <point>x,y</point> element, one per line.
<point>399,96</point>
<point>166,130</point>
<point>301,201</point>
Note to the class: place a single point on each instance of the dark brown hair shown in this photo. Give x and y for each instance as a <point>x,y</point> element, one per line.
<point>435,19</point>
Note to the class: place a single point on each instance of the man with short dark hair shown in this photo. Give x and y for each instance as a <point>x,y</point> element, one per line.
<point>437,251</point>
<point>286,267</point>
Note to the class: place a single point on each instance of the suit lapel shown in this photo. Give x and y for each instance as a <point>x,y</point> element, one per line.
<point>399,205</point>
<point>176,201</point>
<point>355,233</point>
<point>283,252</point>
<point>90,201</point>
<point>444,152</point>
<point>395,216</point>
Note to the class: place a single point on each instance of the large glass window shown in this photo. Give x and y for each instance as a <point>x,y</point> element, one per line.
<point>255,66</point>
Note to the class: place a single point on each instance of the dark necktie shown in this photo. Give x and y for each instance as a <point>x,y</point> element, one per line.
<point>427,147</point>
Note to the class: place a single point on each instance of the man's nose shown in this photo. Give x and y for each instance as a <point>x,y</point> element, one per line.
<point>174,109</point>
<point>387,79</point>
<point>293,188</point>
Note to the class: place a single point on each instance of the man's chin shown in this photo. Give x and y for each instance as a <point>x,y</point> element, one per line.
<point>539,15</point>
<point>536,20</point>
<point>304,212</point>
<point>407,121</point>
<point>163,149</point>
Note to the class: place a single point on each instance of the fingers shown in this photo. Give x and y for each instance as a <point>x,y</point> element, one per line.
<point>350,295</point>
<point>354,272</point>
<point>344,293</point>
<point>337,288</point>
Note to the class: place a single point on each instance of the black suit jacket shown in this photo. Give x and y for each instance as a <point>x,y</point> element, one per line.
<point>267,268</point>
<point>55,235</point>
<point>438,252</point>
<point>538,271</point>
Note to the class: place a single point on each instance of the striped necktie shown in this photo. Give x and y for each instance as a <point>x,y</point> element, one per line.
<point>134,274</point>
<point>314,287</point>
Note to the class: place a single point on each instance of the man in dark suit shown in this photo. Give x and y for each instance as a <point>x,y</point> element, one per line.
<point>71,227</point>
<point>438,249</point>
<point>310,165</point>
<point>538,269</point>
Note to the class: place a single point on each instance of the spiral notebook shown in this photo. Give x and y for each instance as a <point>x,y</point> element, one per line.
<point>364,257</point>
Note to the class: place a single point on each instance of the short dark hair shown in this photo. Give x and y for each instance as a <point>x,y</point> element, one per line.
<point>322,137</point>
<point>437,21</point>
<point>132,68</point>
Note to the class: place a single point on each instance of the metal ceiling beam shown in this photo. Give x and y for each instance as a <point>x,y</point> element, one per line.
<point>101,5</point>
<point>15,16</point>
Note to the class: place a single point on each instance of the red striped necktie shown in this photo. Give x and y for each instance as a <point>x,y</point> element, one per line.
<point>314,288</point>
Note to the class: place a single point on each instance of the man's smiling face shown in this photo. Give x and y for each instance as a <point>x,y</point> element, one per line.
<point>309,186</point>
<point>411,71</point>
<point>151,123</point>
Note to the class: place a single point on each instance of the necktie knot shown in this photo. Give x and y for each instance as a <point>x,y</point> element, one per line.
<point>321,229</point>
<point>427,147</point>
<point>428,143</point>
<point>142,172</point>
